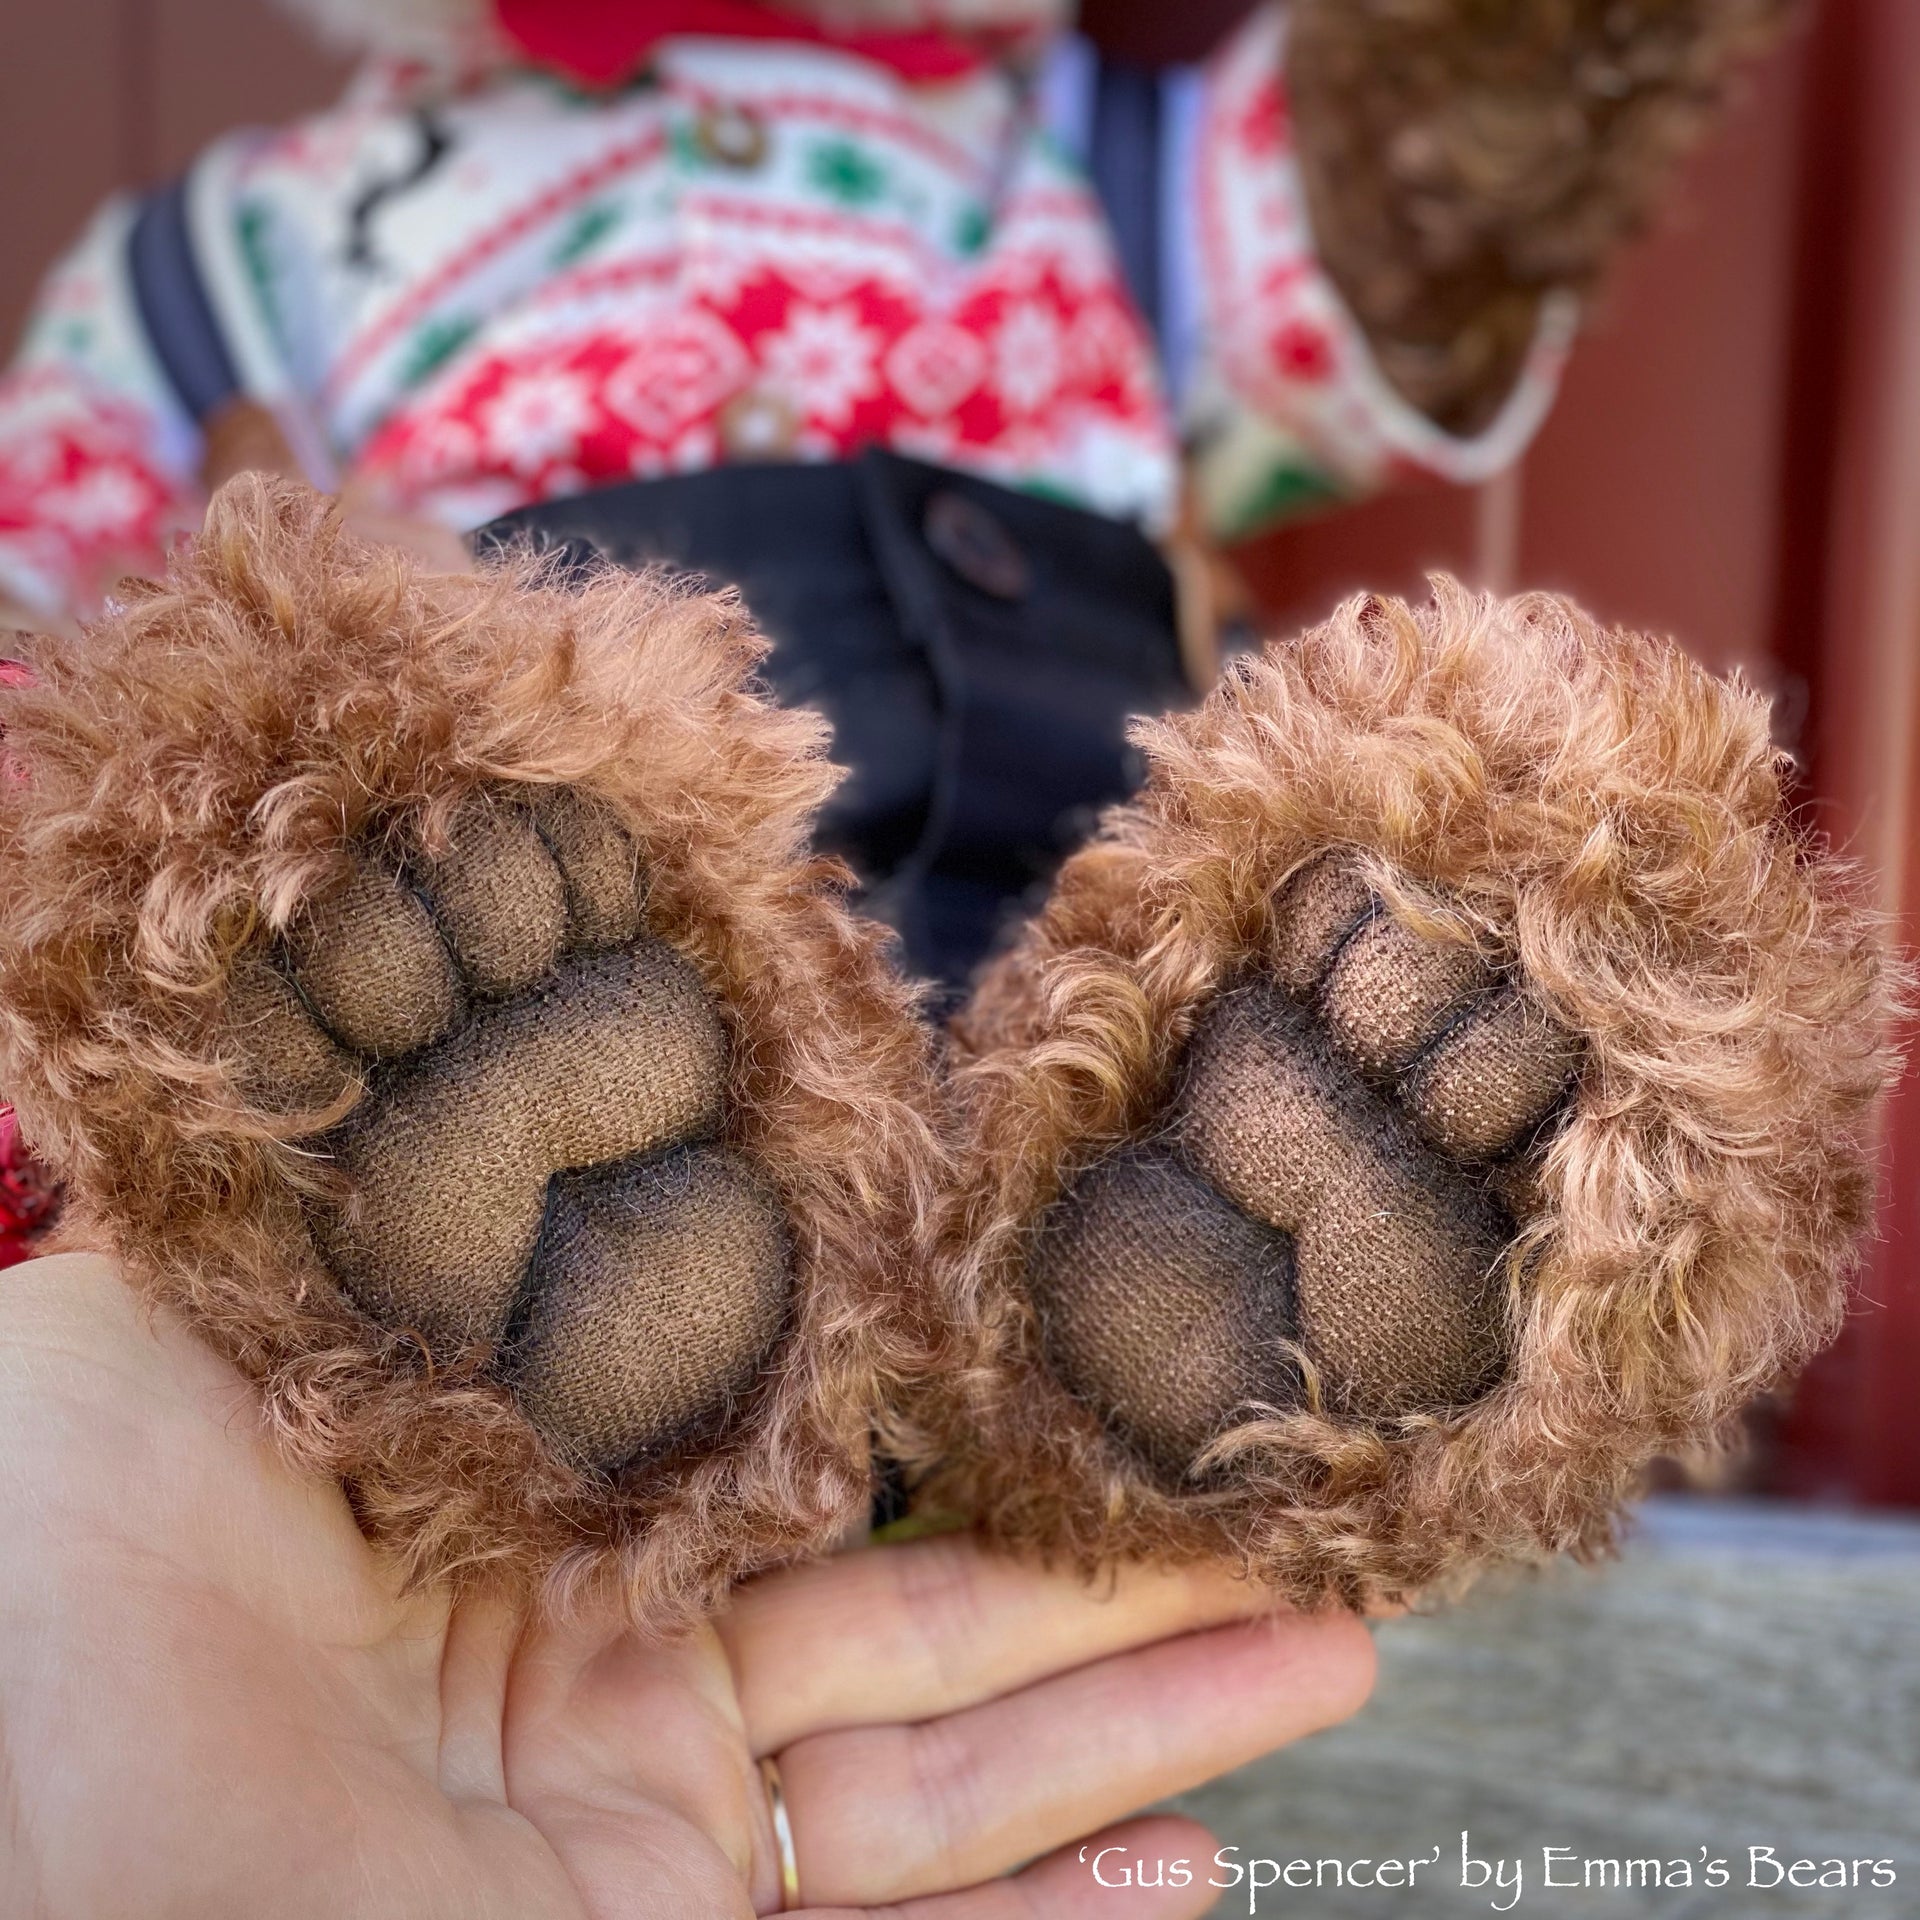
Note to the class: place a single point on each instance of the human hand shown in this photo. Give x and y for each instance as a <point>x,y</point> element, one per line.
<point>214,1700</point>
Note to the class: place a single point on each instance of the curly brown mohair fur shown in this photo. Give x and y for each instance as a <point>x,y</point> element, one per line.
<point>203,763</point>
<point>1614,822</point>
<point>1463,157</point>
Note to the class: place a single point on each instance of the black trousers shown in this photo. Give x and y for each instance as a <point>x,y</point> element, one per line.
<point>978,652</point>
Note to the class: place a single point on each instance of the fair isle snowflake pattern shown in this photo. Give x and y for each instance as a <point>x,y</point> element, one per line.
<point>680,370</point>
<point>822,362</point>
<point>824,268</point>
<point>1011,385</point>
<point>1029,356</point>
<point>84,495</point>
<point>936,367</point>
<point>538,417</point>
<point>799,328</point>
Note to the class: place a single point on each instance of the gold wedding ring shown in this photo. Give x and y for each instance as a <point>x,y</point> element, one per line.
<point>782,1835</point>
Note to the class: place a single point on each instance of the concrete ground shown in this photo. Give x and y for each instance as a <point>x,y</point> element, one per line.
<point>1744,1678</point>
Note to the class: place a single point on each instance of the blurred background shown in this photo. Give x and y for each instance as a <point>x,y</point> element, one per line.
<point>1735,460</point>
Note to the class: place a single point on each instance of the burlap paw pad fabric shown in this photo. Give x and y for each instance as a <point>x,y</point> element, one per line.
<point>1332,1154</point>
<point>425,988</point>
<point>1450,1084</point>
<point>512,1025</point>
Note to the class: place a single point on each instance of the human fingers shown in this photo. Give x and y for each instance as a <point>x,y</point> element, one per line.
<point>912,1632</point>
<point>894,1812</point>
<point>627,1753</point>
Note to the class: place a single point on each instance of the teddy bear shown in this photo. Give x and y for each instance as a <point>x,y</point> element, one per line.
<point>1449,1082</point>
<point>1343,1128</point>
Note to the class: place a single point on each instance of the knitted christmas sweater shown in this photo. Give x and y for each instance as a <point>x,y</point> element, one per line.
<point>484,288</point>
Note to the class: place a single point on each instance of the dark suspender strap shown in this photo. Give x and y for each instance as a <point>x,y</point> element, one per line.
<point>1124,157</point>
<point>175,309</point>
